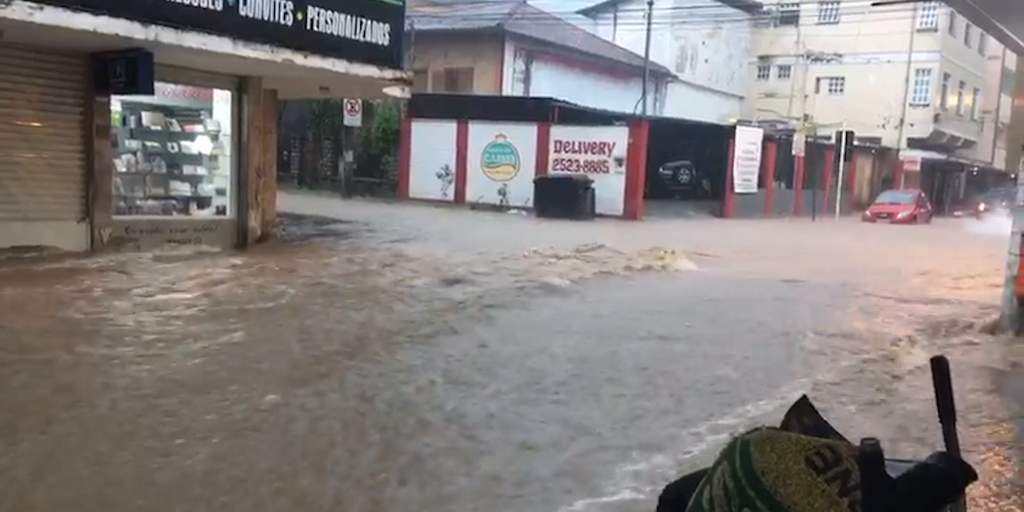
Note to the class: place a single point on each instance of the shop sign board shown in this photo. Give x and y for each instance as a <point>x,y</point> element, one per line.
<point>432,160</point>
<point>368,31</point>
<point>598,152</point>
<point>353,112</point>
<point>746,161</point>
<point>911,164</point>
<point>799,144</point>
<point>501,161</point>
<point>124,72</point>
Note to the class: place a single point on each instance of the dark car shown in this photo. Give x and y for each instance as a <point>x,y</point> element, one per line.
<point>681,178</point>
<point>900,207</point>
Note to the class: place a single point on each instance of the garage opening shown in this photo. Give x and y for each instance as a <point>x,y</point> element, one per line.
<point>686,166</point>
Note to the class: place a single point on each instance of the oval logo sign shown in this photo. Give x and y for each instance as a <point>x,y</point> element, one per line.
<point>500,160</point>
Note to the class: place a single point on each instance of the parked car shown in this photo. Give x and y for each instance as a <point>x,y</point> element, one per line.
<point>900,207</point>
<point>681,178</point>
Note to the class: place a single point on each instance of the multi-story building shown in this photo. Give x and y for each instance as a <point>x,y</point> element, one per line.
<point>924,89</point>
<point>705,43</point>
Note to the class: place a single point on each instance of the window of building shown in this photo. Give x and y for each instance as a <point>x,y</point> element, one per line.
<point>960,98</point>
<point>944,98</point>
<point>828,11</point>
<point>922,91</point>
<point>764,71</point>
<point>173,152</point>
<point>928,16</point>
<point>452,80</point>
<point>789,13</point>
<point>785,72</point>
<point>968,34</point>
<point>420,81</point>
<point>975,101</point>
<point>831,85</point>
<point>982,42</point>
<point>952,23</point>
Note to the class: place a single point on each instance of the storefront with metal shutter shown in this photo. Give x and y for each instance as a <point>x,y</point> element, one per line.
<point>43,151</point>
<point>134,125</point>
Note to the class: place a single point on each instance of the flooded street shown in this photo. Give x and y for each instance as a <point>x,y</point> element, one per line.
<point>400,357</point>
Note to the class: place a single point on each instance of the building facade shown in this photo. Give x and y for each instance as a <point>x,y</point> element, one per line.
<point>510,48</point>
<point>917,82</point>
<point>706,44</point>
<point>130,125</point>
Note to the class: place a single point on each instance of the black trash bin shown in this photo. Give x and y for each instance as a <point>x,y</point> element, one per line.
<point>564,196</point>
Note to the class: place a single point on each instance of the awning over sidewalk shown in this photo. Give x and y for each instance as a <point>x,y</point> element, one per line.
<point>294,74</point>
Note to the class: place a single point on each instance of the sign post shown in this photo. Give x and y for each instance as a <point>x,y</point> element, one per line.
<point>353,112</point>
<point>747,159</point>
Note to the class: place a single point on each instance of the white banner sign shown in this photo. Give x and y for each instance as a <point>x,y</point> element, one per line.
<point>353,112</point>
<point>746,161</point>
<point>597,152</point>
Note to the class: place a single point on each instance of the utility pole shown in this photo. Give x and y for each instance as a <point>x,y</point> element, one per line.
<point>647,54</point>
<point>841,140</point>
<point>906,90</point>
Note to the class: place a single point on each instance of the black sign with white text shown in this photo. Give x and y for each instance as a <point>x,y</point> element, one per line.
<point>368,31</point>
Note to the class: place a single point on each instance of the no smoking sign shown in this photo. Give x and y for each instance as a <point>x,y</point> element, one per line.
<point>353,112</point>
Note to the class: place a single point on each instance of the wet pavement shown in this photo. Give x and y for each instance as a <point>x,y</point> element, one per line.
<point>392,357</point>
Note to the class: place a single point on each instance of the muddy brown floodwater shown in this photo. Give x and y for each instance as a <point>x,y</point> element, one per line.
<point>413,358</point>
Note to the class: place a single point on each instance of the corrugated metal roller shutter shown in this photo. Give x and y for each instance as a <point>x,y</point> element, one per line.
<point>42,137</point>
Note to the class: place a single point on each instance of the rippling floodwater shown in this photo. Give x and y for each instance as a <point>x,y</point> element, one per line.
<point>368,366</point>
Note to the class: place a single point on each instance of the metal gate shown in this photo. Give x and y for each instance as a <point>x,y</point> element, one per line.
<point>42,136</point>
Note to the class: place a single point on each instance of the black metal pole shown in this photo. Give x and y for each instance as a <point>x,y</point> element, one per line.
<point>942,381</point>
<point>647,54</point>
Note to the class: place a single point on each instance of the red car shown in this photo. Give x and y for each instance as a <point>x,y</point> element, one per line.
<point>900,207</point>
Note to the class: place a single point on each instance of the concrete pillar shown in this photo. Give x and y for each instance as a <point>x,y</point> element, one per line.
<point>798,184</point>
<point>729,196</point>
<point>636,168</point>
<point>543,149</point>
<point>257,167</point>
<point>404,158</point>
<point>461,163</point>
<point>768,167</point>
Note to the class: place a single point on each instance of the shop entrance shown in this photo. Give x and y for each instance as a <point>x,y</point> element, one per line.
<point>686,165</point>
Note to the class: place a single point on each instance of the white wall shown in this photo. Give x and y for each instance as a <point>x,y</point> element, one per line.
<point>431,159</point>
<point>709,52</point>
<point>560,79</point>
<point>64,235</point>
<point>699,104</point>
<point>485,187</point>
<point>597,152</point>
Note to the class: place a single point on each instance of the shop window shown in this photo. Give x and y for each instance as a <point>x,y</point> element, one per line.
<point>173,152</point>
